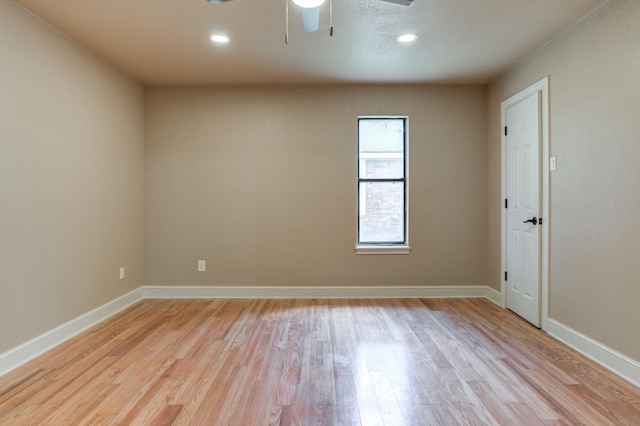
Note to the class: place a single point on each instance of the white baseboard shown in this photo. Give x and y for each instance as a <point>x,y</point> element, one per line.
<point>620,364</point>
<point>329,292</point>
<point>25,352</point>
<point>493,295</point>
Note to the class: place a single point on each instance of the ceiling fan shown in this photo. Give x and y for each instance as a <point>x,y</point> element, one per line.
<point>310,12</point>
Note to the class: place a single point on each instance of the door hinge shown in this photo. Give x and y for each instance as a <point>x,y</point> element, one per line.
<point>505,275</point>
<point>505,131</point>
<point>506,203</point>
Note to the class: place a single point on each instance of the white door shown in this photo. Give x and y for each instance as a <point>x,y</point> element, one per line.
<point>523,208</point>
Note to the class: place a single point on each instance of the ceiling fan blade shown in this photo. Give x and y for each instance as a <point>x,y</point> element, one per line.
<point>310,19</point>
<point>400,2</point>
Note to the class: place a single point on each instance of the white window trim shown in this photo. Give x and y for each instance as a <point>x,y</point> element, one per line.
<point>393,249</point>
<point>383,249</point>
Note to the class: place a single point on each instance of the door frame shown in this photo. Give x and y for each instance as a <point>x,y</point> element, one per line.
<point>542,87</point>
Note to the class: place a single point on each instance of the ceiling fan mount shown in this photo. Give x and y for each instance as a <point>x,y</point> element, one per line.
<point>310,12</point>
<point>400,2</point>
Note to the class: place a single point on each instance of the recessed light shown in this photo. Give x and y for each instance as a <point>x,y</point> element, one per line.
<point>219,38</point>
<point>407,38</point>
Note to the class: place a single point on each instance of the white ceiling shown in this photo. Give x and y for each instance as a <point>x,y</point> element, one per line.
<point>165,42</point>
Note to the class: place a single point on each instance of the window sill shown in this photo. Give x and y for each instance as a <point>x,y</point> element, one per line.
<point>381,249</point>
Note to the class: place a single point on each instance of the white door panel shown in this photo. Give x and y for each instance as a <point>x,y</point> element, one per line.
<point>523,195</point>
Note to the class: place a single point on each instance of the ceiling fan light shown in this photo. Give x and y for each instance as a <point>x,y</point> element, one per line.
<point>309,3</point>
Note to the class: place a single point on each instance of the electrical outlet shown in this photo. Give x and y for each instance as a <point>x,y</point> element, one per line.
<point>202,265</point>
<point>122,272</point>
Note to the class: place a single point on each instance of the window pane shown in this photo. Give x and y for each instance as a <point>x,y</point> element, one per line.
<point>381,148</point>
<point>381,168</point>
<point>381,212</point>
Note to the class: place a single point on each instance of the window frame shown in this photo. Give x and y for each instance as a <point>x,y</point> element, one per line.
<point>400,247</point>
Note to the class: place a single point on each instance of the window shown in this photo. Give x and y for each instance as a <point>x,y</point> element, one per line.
<point>382,185</point>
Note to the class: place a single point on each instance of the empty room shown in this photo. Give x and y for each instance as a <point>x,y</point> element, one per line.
<point>300,212</point>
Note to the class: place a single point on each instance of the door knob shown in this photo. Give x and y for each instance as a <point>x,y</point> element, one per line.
<point>534,221</point>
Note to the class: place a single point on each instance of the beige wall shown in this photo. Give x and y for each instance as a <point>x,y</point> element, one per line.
<point>594,71</point>
<point>71,179</point>
<point>261,182</point>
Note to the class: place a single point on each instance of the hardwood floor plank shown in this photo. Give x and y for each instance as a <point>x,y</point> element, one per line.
<point>315,362</point>
<point>498,409</point>
<point>53,397</point>
<point>149,401</point>
<point>365,394</point>
<point>80,406</point>
<point>19,391</point>
<point>19,384</point>
<point>564,396</point>
<point>167,416</point>
<point>526,416</point>
<point>387,401</point>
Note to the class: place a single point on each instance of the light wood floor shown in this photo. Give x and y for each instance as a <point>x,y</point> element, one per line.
<point>368,362</point>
